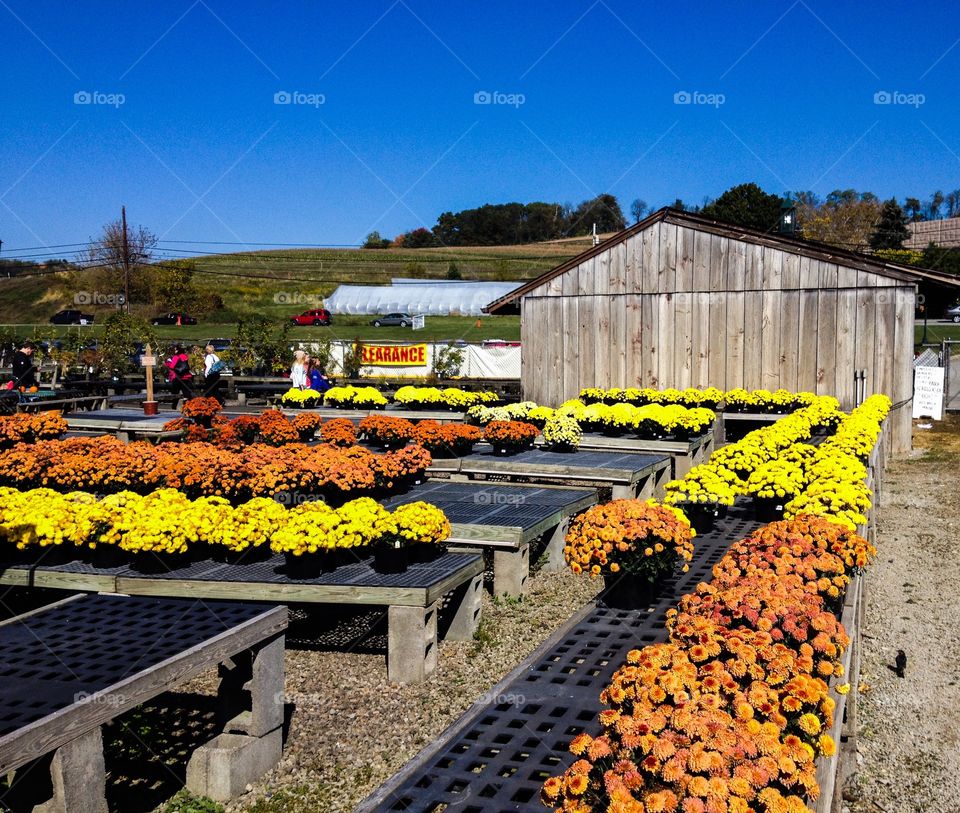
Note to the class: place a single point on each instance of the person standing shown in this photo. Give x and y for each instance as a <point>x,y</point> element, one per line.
<point>24,373</point>
<point>298,372</point>
<point>178,371</point>
<point>211,373</point>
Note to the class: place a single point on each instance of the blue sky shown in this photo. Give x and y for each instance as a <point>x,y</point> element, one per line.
<point>385,132</point>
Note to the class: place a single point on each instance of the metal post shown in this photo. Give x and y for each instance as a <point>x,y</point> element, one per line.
<point>126,262</point>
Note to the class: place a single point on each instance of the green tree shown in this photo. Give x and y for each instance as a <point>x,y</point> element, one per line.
<point>419,238</point>
<point>106,256</point>
<point>638,209</point>
<point>891,229</point>
<point>453,271</point>
<point>845,218</point>
<point>913,209</point>
<point>746,205</point>
<point>121,333</point>
<point>374,240</point>
<point>603,210</point>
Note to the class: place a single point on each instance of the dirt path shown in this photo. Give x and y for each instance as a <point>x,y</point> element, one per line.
<point>910,727</point>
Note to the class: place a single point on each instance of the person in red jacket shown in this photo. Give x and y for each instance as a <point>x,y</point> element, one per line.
<point>178,371</point>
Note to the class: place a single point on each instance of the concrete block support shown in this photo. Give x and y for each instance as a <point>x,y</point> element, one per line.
<point>79,778</point>
<point>553,552</point>
<point>465,603</point>
<point>251,690</point>
<point>411,643</point>
<point>511,569</point>
<point>223,767</point>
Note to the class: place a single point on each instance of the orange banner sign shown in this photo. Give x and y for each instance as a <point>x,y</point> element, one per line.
<point>395,355</point>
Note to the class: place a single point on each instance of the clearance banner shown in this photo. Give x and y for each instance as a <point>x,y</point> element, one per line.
<point>394,355</point>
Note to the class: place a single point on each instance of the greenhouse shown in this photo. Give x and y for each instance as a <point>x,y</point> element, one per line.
<point>426,297</point>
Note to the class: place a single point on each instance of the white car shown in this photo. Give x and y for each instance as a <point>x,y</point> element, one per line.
<point>953,313</point>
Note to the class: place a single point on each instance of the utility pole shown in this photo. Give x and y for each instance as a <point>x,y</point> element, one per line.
<point>126,262</point>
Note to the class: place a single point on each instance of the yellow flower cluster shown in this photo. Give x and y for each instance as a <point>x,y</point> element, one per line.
<point>704,484</point>
<point>708,397</point>
<point>780,478</point>
<point>651,418</point>
<point>166,521</point>
<point>354,397</point>
<point>562,432</point>
<point>450,397</point>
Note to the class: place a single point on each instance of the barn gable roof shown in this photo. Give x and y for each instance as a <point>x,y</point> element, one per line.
<point>804,248</point>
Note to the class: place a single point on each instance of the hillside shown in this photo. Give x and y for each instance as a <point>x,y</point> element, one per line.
<point>276,283</point>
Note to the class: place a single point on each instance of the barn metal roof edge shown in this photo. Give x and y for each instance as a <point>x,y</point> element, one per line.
<point>806,248</point>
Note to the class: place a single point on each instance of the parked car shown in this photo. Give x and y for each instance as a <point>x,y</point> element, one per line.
<point>393,320</point>
<point>314,316</point>
<point>953,313</point>
<point>173,319</point>
<point>71,317</point>
<point>219,345</point>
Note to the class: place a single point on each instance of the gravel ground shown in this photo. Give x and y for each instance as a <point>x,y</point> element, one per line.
<point>910,728</point>
<point>351,729</point>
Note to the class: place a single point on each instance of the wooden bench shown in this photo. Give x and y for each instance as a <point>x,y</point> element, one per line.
<point>413,598</point>
<point>74,665</point>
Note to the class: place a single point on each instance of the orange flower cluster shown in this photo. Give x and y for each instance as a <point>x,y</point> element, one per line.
<point>510,434</point>
<point>386,430</point>
<point>730,715</point>
<point>632,536</point>
<point>307,424</point>
<point>105,464</point>
<point>201,408</point>
<point>446,439</point>
<point>29,428</point>
<point>276,428</point>
<point>339,432</point>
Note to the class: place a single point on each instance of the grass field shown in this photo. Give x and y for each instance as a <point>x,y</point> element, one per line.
<point>265,282</point>
<point>937,331</point>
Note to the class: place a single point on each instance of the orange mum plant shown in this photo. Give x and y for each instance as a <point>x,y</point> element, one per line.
<point>339,432</point>
<point>446,439</point>
<point>628,536</point>
<point>510,435</point>
<point>729,716</point>
<point>386,430</point>
<point>201,408</point>
<point>29,428</point>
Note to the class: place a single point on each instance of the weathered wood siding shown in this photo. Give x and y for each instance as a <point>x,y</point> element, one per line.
<point>674,306</point>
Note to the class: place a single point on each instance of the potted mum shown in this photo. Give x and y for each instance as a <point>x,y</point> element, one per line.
<point>509,437</point>
<point>301,399</point>
<point>704,494</point>
<point>201,411</point>
<point>420,530</point>
<point>562,434</point>
<point>631,543</point>
<point>386,431</point>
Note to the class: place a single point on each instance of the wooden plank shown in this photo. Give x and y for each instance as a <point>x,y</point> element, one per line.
<point>533,323</point>
<point>807,348</point>
<point>736,266</point>
<point>599,273</point>
<point>60,580</point>
<point>633,373</point>
<point>829,275</point>
<point>790,272</point>
<point>495,535</point>
<point>772,269</point>
<point>902,362</point>
<point>682,340</point>
<point>827,342</point>
<point>770,342</point>
<point>667,264</point>
<point>791,334</point>
<point>601,344</point>
<point>717,351</point>
<point>701,261</point>
<point>649,328</point>
<point>50,732</point>
<point>719,262</point>
<point>665,348</point>
<point>633,274</point>
<point>847,277</point>
<point>569,379</point>
<point>587,340</point>
<point>616,280</point>
<point>587,277</point>
<point>753,270</point>
<point>15,576</point>
<point>651,259</point>
<point>846,348</point>
<point>570,281</point>
<point>865,337</point>
<point>734,375</point>
<point>617,308</point>
<point>884,341</point>
<point>684,271</point>
<point>700,343</point>
<point>752,338</point>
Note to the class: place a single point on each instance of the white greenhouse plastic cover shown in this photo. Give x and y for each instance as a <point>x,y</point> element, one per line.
<point>426,297</point>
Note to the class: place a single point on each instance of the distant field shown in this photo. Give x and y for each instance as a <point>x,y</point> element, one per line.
<point>284,282</point>
<point>937,331</point>
<point>345,328</point>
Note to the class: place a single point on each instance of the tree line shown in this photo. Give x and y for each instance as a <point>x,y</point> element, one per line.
<point>847,218</point>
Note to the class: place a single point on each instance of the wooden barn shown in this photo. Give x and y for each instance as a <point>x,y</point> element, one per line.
<point>679,300</point>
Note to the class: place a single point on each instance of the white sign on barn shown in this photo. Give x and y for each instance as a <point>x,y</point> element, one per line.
<point>928,393</point>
